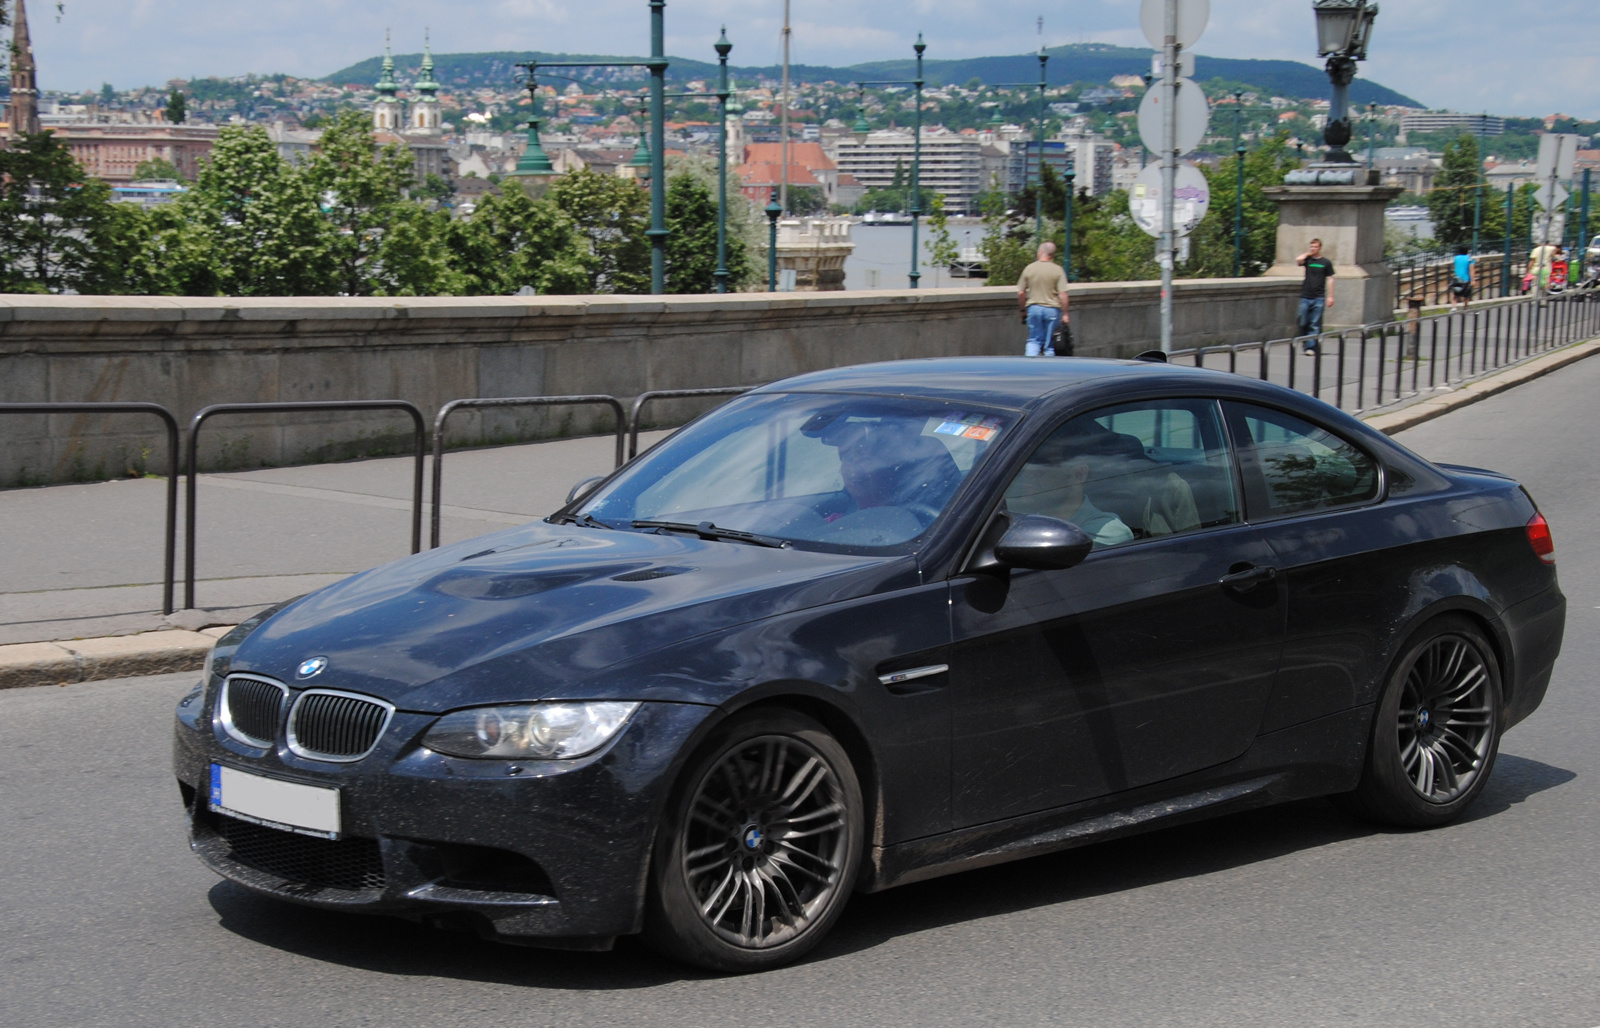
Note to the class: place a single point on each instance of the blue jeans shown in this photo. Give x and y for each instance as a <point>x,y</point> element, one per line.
<point>1310,315</point>
<point>1042,330</point>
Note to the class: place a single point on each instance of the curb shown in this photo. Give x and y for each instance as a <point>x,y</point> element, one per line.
<point>121,656</point>
<point>163,652</point>
<point>1426,410</point>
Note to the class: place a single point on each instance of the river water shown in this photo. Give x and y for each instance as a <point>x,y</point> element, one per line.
<point>886,251</point>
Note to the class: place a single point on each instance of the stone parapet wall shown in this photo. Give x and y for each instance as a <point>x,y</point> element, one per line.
<point>186,353</point>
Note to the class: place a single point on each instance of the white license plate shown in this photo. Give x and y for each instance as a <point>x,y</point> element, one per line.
<point>306,809</point>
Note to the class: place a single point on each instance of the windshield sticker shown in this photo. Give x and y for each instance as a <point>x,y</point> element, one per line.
<point>970,426</point>
<point>984,430</point>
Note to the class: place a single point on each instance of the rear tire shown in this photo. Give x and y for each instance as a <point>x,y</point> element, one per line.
<point>1437,729</point>
<point>759,848</point>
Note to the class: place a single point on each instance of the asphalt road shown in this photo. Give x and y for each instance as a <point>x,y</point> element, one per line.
<point>1292,916</point>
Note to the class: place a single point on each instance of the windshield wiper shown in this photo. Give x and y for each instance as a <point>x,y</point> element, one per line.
<point>706,530</point>
<point>586,520</point>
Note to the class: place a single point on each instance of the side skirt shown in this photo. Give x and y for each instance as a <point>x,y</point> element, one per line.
<point>1314,759</point>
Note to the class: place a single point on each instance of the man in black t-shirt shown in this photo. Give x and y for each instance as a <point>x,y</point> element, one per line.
<point>1316,293</point>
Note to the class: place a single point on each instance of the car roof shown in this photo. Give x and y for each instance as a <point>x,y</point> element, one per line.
<point>1016,382</point>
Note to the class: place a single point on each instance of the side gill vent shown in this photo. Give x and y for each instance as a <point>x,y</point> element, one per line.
<point>650,574</point>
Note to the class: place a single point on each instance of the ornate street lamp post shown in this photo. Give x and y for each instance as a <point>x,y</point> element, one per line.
<point>538,163</point>
<point>723,48</point>
<point>1344,27</point>
<point>862,129</point>
<point>1038,192</point>
<point>1238,190</point>
<point>774,212</point>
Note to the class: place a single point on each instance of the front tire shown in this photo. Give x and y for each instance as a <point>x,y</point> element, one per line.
<point>1437,729</point>
<point>759,849</point>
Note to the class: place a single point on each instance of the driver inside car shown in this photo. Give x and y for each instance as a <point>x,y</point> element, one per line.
<point>896,478</point>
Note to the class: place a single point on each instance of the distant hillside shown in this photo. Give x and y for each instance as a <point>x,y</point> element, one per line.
<point>1080,63</point>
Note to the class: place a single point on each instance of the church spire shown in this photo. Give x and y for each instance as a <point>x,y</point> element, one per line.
<point>386,111</point>
<point>425,109</point>
<point>23,110</point>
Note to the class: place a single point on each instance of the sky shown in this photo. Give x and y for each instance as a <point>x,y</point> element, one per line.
<point>1515,57</point>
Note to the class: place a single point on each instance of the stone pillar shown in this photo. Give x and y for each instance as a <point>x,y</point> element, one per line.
<point>1349,221</point>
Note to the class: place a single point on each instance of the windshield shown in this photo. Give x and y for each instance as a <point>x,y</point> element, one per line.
<point>853,472</point>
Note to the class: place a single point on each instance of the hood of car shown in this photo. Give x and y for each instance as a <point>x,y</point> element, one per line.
<point>537,612</point>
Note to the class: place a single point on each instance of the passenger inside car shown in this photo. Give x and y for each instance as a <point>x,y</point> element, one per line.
<point>1054,480</point>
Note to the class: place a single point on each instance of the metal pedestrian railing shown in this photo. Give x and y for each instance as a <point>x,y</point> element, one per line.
<point>1363,368</point>
<point>512,401</point>
<point>206,413</point>
<point>170,541</point>
<point>670,394</point>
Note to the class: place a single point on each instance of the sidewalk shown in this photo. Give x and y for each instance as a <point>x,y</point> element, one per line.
<point>83,562</point>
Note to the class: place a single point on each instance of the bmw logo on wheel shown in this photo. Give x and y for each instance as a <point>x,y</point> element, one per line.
<point>752,837</point>
<point>311,667</point>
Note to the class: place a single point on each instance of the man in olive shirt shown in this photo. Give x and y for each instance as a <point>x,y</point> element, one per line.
<point>1042,291</point>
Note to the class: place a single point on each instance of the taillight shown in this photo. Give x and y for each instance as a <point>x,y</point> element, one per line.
<point>1544,547</point>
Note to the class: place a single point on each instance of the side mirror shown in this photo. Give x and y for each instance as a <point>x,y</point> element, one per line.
<point>1043,543</point>
<point>584,488</point>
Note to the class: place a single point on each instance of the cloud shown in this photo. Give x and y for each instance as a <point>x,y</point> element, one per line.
<point>1505,56</point>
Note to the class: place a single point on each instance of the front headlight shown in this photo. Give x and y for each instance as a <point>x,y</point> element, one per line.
<point>535,731</point>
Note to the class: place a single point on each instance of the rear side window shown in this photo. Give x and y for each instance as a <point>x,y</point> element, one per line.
<point>1292,466</point>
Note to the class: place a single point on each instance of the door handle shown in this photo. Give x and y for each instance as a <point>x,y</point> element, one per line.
<point>1249,577</point>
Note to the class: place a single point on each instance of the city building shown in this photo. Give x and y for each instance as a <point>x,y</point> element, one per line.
<point>1088,157</point>
<point>952,164</point>
<point>1448,121</point>
<point>112,152</point>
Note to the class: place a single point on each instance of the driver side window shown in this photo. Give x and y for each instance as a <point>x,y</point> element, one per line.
<point>1135,471</point>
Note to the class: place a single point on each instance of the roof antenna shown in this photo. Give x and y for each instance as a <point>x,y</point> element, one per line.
<point>1152,357</point>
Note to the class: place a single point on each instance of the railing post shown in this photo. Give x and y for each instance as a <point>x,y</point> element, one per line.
<point>192,469</point>
<point>170,542</point>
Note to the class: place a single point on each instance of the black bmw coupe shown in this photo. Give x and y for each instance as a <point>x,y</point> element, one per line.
<point>869,626</point>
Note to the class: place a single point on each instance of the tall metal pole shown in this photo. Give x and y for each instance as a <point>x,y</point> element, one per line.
<point>783,115</point>
<point>1583,227</point>
<point>1038,191</point>
<point>1505,265</point>
<point>723,47</point>
<point>1169,166</point>
<point>1238,192</point>
<point>916,165</point>
<point>774,212</point>
<point>1066,239</point>
<point>658,148</point>
<point>1477,201</point>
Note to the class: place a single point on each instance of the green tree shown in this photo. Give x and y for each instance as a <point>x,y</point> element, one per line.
<point>692,245</point>
<point>893,199</point>
<point>158,168</point>
<point>611,214</point>
<point>177,107</point>
<point>1107,244</point>
<point>1211,243</point>
<point>108,96</point>
<point>414,257</point>
<point>49,215</point>
<point>942,249</point>
<point>1454,194</point>
<point>1008,245</point>
<point>251,226</point>
<point>512,241</point>
<point>433,189</point>
<point>361,188</point>
<point>804,200</point>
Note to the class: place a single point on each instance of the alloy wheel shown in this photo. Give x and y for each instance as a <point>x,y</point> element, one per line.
<point>767,841</point>
<point>1445,719</point>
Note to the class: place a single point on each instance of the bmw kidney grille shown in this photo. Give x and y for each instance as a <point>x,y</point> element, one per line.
<point>251,708</point>
<point>330,725</point>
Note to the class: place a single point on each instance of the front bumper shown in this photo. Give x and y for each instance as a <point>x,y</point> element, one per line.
<point>544,852</point>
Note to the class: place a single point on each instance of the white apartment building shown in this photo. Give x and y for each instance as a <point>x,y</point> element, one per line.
<point>951,164</point>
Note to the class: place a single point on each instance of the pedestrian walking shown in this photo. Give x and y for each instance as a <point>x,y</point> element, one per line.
<point>1461,271</point>
<point>1042,292</point>
<point>1540,258</point>
<point>1316,292</point>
